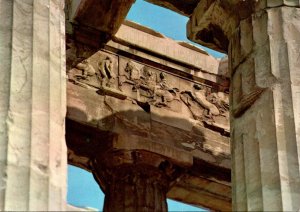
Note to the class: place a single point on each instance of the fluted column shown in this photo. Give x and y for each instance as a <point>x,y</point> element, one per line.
<point>262,39</point>
<point>136,189</point>
<point>264,52</point>
<point>32,105</point>
<point>134,180</point>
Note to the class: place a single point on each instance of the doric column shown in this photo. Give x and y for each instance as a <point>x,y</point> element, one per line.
<point>32,105</point>
<point>134,180</point>
<point>265,68</point>
<point>264,52</point>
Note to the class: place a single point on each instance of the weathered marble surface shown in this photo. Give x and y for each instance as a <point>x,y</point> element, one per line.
<point>183,7</point>
<point>153,90</point>
<point>5,55</point>
<point>101,16</point>
<point>32,106</point>
<point>214,21</point>
<point>137,35</point>
<point>271,146</point>
<point>145,92</point>
<point>263,47</point>
<point>275,52</point>
<point>140,41</point>
<point>139,106</point>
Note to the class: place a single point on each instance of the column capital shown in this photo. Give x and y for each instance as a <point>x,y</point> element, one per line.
<point>134,180</point>
<point>128,165</point>
<point>213,22</point>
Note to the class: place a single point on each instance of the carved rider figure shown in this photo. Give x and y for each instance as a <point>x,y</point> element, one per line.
<point>105,67</point>
<point>163,93</point>
<point>148,77</point>
<point>199,95</point>
<point>134,73</point>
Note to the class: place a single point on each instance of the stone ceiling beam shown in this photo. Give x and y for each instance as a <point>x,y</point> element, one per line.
<point>211,25</point>
<point>183,7</point>
<point>213,22</point>
<point>104,16</point>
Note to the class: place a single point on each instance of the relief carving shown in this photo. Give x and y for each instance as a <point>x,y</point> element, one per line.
<point>132,76</point>
<point>210,107</point>
<point>87,70</point>
<point>105,67</point>
<point>163,93</point>
<point>199,95</point>
<point>220,100</point>
<point>98,73</point>
<point>153,86</point>
<point>148,77</point>
<point>145,85</point>
<point>134,73</point>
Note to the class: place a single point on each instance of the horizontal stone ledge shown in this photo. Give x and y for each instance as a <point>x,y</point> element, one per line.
<point>131,142</point>
<point>186,53</point>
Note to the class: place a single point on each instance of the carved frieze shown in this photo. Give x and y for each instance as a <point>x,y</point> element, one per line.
<point>210,107</point>
<point>98,72</point>
<point>123,78</point>
<point>149,85</point>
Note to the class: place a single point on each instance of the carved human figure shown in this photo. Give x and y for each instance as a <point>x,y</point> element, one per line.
<point>163,84</point>
<point>105,67</point>
<point>148,77</point>
<point>199,95</point>
<point>163,93</point>
<point>87,69</point>
<point>134,73</point>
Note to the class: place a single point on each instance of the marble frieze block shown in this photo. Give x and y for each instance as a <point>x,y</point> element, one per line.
<point>148,86</point>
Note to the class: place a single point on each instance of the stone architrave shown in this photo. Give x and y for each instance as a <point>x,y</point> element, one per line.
<point>32,105</point>
<point>264,49</point>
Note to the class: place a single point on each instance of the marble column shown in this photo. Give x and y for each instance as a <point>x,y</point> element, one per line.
<point>32,105</point>
<point>134,180</point>
<point>264,54</point>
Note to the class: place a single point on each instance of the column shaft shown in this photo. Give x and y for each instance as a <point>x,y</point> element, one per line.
<point>5,57</point>
<point>134,180</point>
<point>33,107</point>
<point>136,190</point>
<point>264,53</point>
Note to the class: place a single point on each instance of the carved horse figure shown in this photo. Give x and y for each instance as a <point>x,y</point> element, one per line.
<point>87,69</point>
<point>200,96</point>
<point>163,94</point>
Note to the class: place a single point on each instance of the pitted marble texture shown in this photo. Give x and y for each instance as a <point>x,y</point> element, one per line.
<point>5,57</point>
<point>265,138</point>
<point>32,106</point>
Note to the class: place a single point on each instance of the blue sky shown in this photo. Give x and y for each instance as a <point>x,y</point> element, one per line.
<point>83,191</point>
<point>165,21</point>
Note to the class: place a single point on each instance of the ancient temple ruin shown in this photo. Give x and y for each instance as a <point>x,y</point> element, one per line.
<point>147,115</point>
